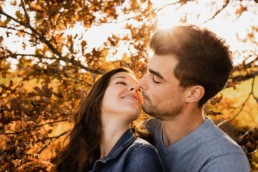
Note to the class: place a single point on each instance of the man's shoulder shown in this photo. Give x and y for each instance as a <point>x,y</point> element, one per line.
<point>219,151</point>
<point>215,140</point>
<point>212,149</point>
<point>153,125</point>
<point>152,122</point>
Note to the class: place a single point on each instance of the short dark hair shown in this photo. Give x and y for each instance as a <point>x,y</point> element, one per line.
<point>203,58</point>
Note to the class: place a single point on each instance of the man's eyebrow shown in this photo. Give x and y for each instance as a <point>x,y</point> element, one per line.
<point>156,73</point>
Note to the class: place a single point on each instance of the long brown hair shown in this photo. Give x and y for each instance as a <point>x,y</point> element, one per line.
<point>83,148</point>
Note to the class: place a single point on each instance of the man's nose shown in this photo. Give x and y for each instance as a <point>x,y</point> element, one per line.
<point>141,83</point>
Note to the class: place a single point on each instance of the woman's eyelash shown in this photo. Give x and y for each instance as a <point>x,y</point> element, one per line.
<point>123,83</point>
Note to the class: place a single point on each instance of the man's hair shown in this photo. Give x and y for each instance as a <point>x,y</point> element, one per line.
<point>203,58</point>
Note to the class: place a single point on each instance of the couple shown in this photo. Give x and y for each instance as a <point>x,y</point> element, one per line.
<point>190,65</point>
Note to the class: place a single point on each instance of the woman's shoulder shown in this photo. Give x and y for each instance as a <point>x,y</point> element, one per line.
<point>141,144</point>
<point>142,156</point>
<point>140,141</point>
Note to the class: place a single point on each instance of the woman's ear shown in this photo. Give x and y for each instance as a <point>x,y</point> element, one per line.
<point>194,93</point>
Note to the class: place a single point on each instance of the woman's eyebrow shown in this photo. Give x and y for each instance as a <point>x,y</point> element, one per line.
<point>123,77</point>
<point>118,77</point>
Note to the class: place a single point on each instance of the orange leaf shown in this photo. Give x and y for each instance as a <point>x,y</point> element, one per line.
<point>83,43</point>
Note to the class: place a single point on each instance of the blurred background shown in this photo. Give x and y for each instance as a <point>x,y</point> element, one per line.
<point>51,52</point>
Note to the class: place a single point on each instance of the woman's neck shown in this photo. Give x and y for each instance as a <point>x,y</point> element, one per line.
<point>112,131</point>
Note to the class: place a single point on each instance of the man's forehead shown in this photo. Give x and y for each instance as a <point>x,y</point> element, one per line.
<point>163,64</point>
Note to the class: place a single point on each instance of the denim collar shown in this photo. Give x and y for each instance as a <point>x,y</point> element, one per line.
<point>123,143</point>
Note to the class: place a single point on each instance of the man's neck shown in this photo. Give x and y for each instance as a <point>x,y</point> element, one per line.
<point>180,126</point>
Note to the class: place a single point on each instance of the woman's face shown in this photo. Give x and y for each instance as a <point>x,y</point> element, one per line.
<point>122,100</point>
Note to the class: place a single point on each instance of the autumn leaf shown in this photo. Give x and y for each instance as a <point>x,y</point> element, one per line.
<point>44,76</point>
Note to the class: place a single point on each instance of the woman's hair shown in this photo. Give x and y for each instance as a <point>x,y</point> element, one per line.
<point>83,148</point>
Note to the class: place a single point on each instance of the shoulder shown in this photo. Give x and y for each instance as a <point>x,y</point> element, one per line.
<point>153,121</point>
<point>142,156</point>
<point>236,162</point>
<point>141,144</point>
<point>209,140</point>
<point>142,148</point>
<point>153,125</point>
<point>219,150</point>
<point>217,139</point>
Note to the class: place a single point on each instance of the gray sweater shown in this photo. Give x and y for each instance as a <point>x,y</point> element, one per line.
<point>206,149</point>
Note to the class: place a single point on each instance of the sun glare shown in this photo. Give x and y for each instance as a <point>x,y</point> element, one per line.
<point>167,18</point>
<point>227,24</point>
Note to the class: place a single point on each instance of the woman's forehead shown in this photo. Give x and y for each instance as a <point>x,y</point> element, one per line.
<point>124,75</point>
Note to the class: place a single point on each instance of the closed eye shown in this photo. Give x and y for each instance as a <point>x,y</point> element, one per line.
<point>156,82</point>
<point>154,79</point>
<point>120,82</point>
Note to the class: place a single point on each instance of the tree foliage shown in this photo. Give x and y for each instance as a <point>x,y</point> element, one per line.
<point>56,68</point>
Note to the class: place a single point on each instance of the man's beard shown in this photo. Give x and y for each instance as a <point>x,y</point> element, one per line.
<point>161,114</point>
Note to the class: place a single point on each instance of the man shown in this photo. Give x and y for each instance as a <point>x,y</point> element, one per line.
<point>190,65</point>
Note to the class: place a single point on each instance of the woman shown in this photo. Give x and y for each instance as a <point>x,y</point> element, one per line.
<point>101,139</point>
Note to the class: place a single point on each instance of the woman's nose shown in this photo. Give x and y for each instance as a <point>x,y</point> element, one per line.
<point>135,87</point>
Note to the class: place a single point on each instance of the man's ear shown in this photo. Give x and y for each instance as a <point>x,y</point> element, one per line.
<point>194,93</point>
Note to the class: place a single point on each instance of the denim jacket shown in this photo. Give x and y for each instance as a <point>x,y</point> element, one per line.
<point>130,154</point>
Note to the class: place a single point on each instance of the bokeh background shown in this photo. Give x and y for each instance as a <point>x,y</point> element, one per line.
<point>52,51</point>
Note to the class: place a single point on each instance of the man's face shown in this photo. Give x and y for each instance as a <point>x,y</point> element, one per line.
<point>163,98</point>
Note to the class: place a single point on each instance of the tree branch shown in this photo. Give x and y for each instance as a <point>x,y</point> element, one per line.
<point>50,46</point>
<point>218,11</point>
<point>36,126</point>
<point>26,14</point>
<point>171,4</point>
<point>53,122</point>
<point>245,65</point>
<point>76,63</point>
<point>18,30</point>
<point>245,77</point>
<point>51,140</point>
<point>241,109</point>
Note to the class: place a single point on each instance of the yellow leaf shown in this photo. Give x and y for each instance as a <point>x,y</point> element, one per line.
<point>105,52</point>
<point>13,3</point>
